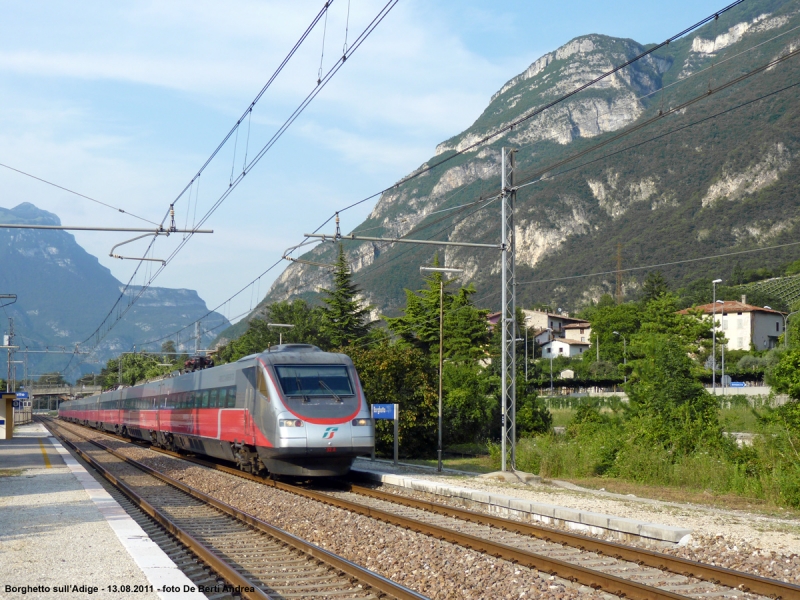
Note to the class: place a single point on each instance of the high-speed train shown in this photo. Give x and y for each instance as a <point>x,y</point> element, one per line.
<point>291,410</point>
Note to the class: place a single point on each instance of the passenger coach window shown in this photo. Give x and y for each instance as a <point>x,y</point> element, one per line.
<point>232,396</point>
<point>212,398</point>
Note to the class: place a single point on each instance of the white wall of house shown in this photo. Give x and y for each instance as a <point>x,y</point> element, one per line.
<point>741,328</point>
<point>560,347</point>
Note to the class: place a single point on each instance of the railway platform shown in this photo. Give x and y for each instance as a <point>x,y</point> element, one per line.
<point>62,535</point>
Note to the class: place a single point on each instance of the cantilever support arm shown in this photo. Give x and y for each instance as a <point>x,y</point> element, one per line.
<point>138,237</point>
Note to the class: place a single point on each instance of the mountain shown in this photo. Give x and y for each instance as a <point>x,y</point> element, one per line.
<point>63,294</point>
<point>719,176</point>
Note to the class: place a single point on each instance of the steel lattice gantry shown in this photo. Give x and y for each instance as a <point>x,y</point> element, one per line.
<point>508,317</point>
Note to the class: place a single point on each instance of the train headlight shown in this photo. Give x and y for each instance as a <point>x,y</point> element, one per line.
<point>290,423</point>
<point>361,422</point>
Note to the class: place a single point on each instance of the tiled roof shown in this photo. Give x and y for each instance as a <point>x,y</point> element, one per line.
<point>581,325</point>
<point>730,306</point>
<point>569,342</point>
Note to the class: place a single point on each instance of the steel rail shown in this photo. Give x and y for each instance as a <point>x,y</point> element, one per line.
<point>355,571</point>
<point>674,564</point>
<point>589,577</point>
<point>719,575</point>
<point>232,576</point>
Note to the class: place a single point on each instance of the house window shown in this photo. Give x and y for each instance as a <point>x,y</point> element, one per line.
<point>777,327</point>
<point>740,323</point>
<point>581,333</point>
<point>583,339</point>
<point>560,350</point>
<point>741,343</point>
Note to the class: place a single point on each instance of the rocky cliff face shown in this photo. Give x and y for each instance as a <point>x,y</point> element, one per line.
<point>689,192</point>
<point>64,293</point>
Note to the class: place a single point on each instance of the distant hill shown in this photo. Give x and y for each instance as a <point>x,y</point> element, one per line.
<point>692,185</point>
<point>64,293</point>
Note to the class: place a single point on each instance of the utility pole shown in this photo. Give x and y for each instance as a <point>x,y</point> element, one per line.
<point>508,319</point>
<point>9,342</point>
<point>619,273</point>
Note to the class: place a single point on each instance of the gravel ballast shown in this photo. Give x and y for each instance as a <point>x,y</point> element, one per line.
<point>434,568</point>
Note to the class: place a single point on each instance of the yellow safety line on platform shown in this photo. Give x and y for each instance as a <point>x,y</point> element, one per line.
<point>44,454</point>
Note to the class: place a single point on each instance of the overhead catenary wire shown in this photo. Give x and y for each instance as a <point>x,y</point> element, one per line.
<point>728,110</point>
<point>365,33</point>
<point>525,118</point>
<point>66,189</point>
<point>353,48</point>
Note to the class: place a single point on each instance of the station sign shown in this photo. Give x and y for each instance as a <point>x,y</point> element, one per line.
<point>384,411</point>
<point>22,395</point>
<point>737,383</point>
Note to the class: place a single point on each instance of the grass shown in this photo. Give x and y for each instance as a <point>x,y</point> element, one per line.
<point>684,495</point>
<point>735,418</point>
<point>473,464</point>
<point>10,472</point>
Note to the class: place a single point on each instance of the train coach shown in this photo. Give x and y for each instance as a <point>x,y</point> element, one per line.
<point>292,410</point>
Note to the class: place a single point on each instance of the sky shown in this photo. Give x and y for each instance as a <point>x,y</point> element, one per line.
<point>124,102</point>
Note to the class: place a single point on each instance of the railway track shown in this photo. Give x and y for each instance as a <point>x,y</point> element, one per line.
<point>252,559</point>
<point>615,568</point>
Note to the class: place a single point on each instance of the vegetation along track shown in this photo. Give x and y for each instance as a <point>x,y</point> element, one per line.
<point>612,567</point>
<point>254,558</point>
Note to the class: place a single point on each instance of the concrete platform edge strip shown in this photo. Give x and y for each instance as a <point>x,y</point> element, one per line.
<point>573,518</point>
<point>150,558</point>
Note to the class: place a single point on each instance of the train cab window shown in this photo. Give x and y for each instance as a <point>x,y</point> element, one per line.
<point>314,380</point>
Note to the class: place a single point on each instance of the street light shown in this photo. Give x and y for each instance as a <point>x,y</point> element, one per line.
<point>280,333</point>
<point>441,345</point>
<point>714,337</point>
<point>785,326</point>
<point>722,320</point>
<point>624,355</point>
<point>551,360</point>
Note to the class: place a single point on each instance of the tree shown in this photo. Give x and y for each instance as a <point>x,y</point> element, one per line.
<point>259,336</point>
<point>469,404</point>
<point>654,286</point>
<point>785,376</point>
<point>345,319</point>
<point>399,374</point>
<point>465,328</point>
<point>668,407</point>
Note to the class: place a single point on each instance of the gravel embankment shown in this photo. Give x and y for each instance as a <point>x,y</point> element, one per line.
<point>432,567</point>
<point>740,531</point>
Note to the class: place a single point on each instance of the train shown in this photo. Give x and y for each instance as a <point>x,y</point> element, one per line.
<point>292,410</point>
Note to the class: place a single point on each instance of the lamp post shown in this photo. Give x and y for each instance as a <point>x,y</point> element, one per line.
<point>551,359</point>
<point>785,326</point>
<point>722,321</point>
<point>441,345</point>
<point>280,333</point>
<point>624,355</point>
<point>714,336</point>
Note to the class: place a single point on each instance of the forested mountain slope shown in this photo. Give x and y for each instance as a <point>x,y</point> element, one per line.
<point>720,176</point>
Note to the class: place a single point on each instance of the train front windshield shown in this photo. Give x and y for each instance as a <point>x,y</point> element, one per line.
<point>315,380</point>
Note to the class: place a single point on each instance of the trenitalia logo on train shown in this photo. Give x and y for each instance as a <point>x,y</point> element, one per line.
<point>276,412</point>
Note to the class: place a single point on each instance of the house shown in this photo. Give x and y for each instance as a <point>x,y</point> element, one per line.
<point>743,324</point>
<point>578,331</point>
<point>563,347</point>
<point>538,319</point>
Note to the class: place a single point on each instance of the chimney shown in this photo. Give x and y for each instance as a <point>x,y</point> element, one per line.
<point>744,299</point>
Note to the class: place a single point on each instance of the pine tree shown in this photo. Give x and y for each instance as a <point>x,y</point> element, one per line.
<point>344,319</point>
